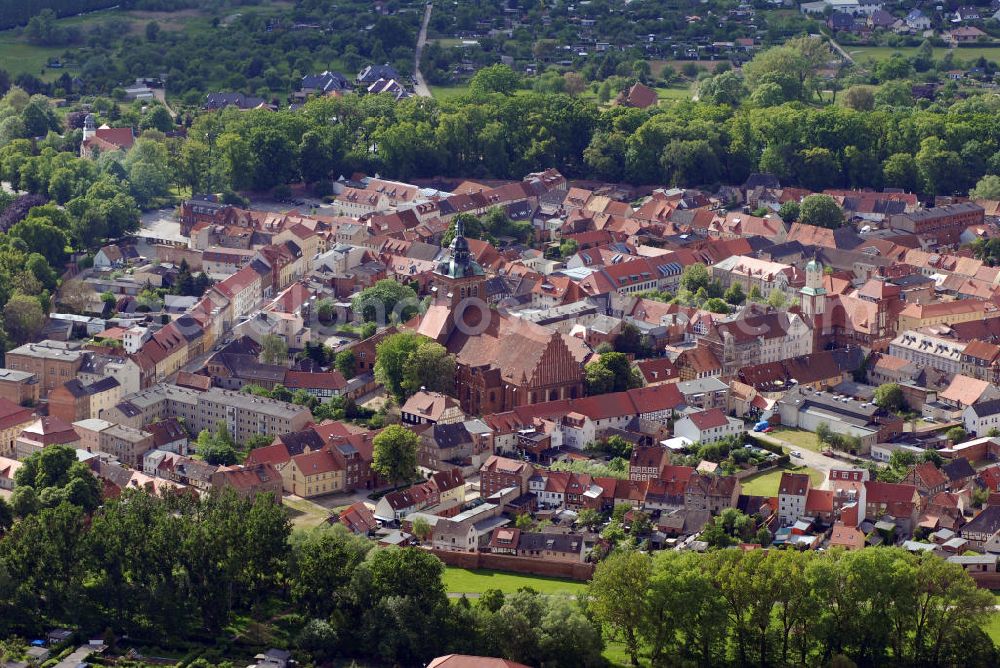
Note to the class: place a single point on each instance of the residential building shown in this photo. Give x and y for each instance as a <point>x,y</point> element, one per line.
<point>42,433</point>
<point>20,387</point>
<point>431,408</point>
<point>793,491</point>
<point>646,462</point>
<point>499,473</point>
<point>939,220</point>
<point>52,362</point>
<point>982,417</point>
<point>707,426</point>
<point>711,493</point>
<point>13,420</point>
<point>249,481</point>
<point>126,444</point>
<point>73,400</point>
<point>928,350</point>
<point>757,337</point>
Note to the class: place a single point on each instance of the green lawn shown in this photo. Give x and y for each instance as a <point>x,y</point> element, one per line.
<point>305,514</point>
<point>797,437</point>
<point>674,93</point>
<point>448,92</point>
<point>465,581</point>
<point>18,57</point>
<point>992,628</point>
<point>617,655</point>
<point>766,484</point>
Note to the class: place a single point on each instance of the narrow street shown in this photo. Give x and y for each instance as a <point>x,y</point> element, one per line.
<point>419,85</point>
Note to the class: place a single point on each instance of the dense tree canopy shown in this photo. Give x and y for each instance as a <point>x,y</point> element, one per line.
<point>781,607</point>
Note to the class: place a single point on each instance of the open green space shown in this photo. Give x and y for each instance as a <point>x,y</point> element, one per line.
<point>617,655</point>
<point>766,484</point>
<point>960,54</point>
<point>465,581</point>
<point>798,438</point>
<point>304,514</point>
<point>19,57</point>
<point>448,92</point>
<point>674,93</point>
<point>992,628</point>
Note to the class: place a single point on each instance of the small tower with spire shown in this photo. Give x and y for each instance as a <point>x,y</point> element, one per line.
<point>813,294</point>
<point>89,127</point>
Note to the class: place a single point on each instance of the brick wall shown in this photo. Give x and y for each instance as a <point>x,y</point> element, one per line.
<point>175,254</point>
<point>503,562</point>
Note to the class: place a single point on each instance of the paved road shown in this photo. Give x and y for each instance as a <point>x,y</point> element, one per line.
<point>839,49</point>
<point>420,86</point>
<point>813,460</point>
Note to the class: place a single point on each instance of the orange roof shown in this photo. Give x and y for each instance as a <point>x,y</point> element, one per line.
<point>315,463</point>
<point>964,390</point>
<point>847,537</point>
<point>819,501</point>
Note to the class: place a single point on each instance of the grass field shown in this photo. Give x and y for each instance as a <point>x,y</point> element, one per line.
<point>766,484</point>
<point>960,54</point>
<point>993,628</point>
<point>798,438</point>
<point>17,57</point>
<point>448,92</point>
<point>465,581</point>
<point>674,93</point>
<point>304,514</point>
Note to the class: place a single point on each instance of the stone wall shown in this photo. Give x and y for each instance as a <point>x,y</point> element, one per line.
<point>504,562</point>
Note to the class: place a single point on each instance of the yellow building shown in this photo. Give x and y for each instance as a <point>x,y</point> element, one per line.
<point>13,420</point>
<point>914,316</point>
<point>313,474</point>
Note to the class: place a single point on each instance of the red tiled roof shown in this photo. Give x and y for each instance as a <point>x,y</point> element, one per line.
<point>703,420</point>
<point>887,492</point>
<point>275,454</point>
<point>193,381</point>
<point>930,475</point>
<point>305,380</point>
<point>314,463</point>
<point>119,137</point>
<point>657,370</point>
<point>358,518</point>
<point>794,484</point>
<point>819,501</point>
<point>640,96</point>
<point>991,478</point>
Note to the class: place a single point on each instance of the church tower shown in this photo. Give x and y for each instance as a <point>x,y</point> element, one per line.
<point>89,127</point>
<point>813,294</point>
<point>460,276</point>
